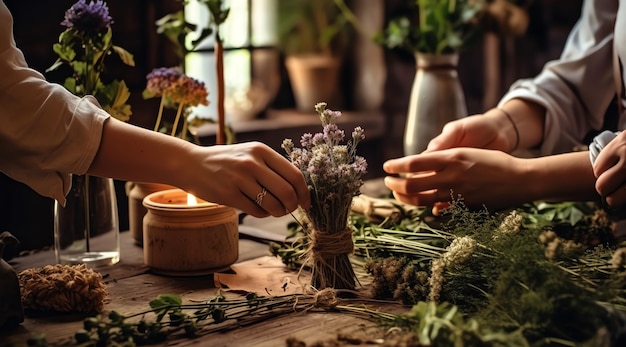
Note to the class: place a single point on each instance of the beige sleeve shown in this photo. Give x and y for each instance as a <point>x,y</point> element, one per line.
<point>46,133</point>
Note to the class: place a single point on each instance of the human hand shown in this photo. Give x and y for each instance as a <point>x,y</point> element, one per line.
<point>238,175</point>
<point>482,177</point>
<point>610,171</point>
<point>478,131</point>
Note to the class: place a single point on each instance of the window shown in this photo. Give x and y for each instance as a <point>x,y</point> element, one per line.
<point>251,63</point>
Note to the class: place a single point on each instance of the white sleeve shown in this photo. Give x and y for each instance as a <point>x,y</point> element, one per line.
<point>46,133</point>
<point>599,142</point>
<point>577,88</point>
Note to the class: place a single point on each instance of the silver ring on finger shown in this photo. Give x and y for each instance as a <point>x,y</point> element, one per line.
<point>260,196</point>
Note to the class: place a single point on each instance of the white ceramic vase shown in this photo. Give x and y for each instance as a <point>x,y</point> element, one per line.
<point>436,98</point>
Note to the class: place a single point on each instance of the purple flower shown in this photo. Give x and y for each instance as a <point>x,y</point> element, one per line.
<point>174,85</point>
<point>162,79</point>
<point>189,91</point>
<point>306,140</point>
<point>332,170</point>
<point>358,134</point>
<point>91,18</point>
<point>317,139</point>
<point>332,134</point>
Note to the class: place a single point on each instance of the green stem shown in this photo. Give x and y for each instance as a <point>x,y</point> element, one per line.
<point>350,17</point>
<point>180,109</point>
<point>158,121</point>
<point>183,133</point>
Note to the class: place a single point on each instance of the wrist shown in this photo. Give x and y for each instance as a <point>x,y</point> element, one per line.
<point>515,143</point>
<point>561,177</point>
<point>509,132</point>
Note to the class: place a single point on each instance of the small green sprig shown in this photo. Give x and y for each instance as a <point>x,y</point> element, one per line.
<point>435,27</point>
<point>170,319</point>
<point>451,26</point>
<point>176,29</point>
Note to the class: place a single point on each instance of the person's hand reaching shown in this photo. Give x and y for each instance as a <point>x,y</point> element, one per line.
<point>249,176</point>
<point>477,131</point>
<point>481,177</point>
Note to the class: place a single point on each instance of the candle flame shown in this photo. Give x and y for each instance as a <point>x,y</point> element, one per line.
<point>191,200</point>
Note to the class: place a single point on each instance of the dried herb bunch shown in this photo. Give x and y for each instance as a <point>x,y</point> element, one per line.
<point>333,172</point>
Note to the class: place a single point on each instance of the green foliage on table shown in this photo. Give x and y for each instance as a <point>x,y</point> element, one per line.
<point>510,289</point>
<point>550,273</point>
<point>169,318</point>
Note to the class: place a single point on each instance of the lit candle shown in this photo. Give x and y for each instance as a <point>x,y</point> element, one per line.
<point>191,200</point>
<point>184,235</point>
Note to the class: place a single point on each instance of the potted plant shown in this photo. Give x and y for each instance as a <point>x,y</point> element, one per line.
<point>312,35</point>
<point>435,31</point>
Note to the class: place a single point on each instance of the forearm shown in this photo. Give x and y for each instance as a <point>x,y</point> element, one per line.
<point>563,177</point>
<point>528,119</point>
<point>128,152</point>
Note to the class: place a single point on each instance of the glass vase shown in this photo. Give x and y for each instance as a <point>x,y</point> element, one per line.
<point>436,98</point>
<point>87,229</point>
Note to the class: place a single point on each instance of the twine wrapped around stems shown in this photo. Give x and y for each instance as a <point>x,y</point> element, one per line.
<point>329,254</point>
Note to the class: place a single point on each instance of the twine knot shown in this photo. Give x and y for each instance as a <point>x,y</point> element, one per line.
<point>327,244</point>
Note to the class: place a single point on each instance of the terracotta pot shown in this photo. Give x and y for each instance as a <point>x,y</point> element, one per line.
<point>188,240</point>
<point>136,192</point>
<point>314,78</point>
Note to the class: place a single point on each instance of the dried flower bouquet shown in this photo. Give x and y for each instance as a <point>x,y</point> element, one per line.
<point>334,175</point>
<point>176,90</point>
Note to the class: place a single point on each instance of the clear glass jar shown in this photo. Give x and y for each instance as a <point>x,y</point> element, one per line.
<point>86,229</point>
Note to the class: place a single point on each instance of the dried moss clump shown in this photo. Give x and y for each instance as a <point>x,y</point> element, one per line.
<point>63,288</point>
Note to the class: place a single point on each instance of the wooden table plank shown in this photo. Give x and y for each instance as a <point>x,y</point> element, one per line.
<point>131,286</point>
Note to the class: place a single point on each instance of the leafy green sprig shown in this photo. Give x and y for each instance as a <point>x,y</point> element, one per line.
<point>435,26</point>
<point>169,318</point>
<point>451,26</point>
<point>178,31</point>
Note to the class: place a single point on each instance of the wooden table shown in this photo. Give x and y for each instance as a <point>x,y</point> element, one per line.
<point>132,285</point>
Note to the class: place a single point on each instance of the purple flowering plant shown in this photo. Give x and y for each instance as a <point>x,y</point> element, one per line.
<point>334,174</point>
<point>83,46</point>
<point>176,90</point>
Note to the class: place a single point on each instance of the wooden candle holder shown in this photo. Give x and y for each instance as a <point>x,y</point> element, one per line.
<point>188,240</point>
